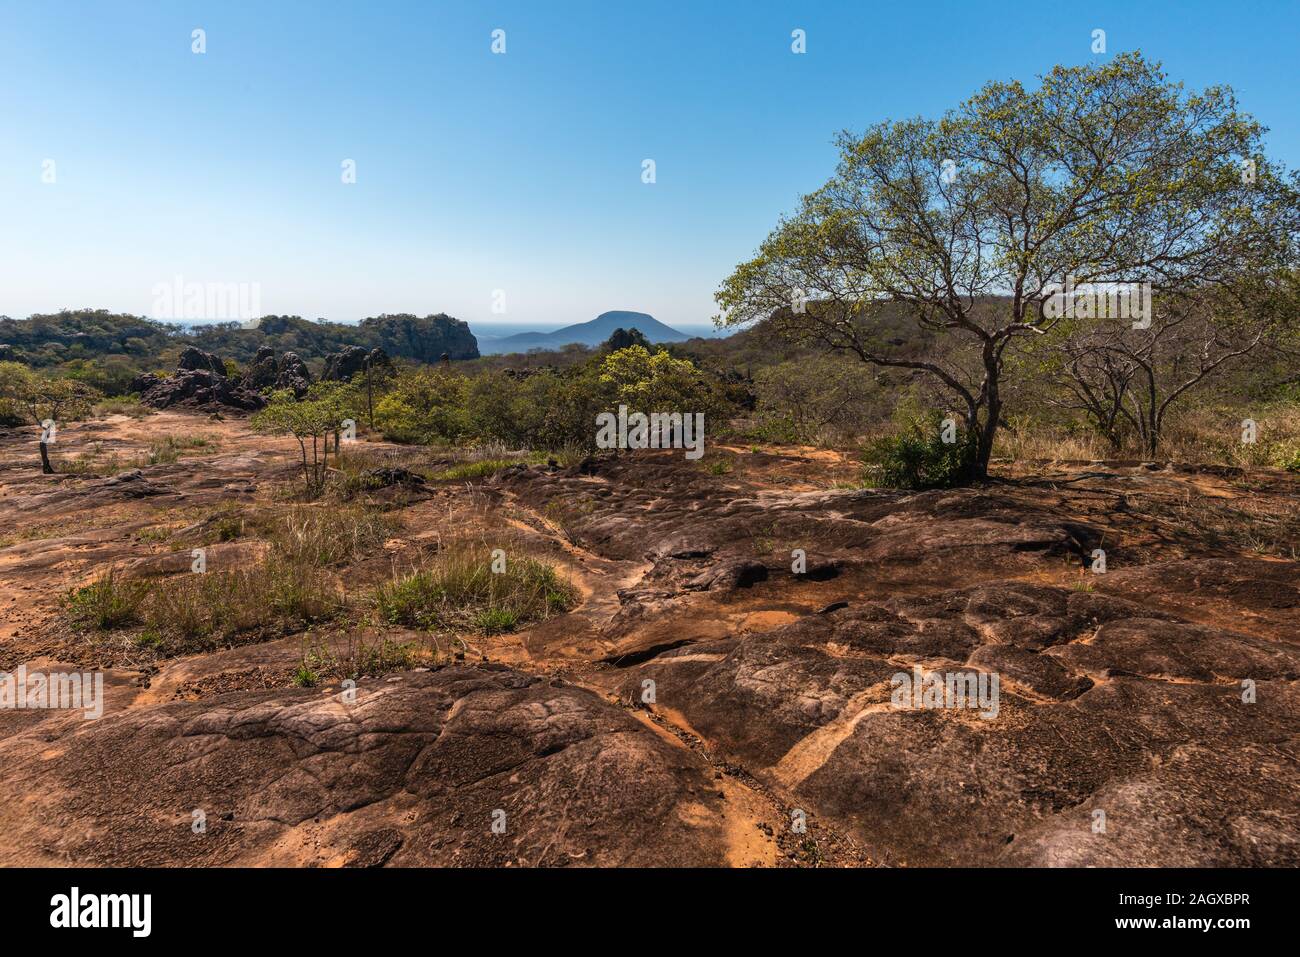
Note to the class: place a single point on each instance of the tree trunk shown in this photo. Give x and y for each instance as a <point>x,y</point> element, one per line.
<point>46,467</point>
<point>984,439</point>
<point>370,397</point>
<point>992,413</point>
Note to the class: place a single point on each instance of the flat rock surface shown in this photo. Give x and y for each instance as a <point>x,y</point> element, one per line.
<point>723,693</point>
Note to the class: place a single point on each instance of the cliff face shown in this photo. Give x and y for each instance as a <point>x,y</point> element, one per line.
<point>425,339</point>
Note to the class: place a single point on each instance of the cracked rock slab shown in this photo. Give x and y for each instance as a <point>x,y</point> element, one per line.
<point>413,773</point>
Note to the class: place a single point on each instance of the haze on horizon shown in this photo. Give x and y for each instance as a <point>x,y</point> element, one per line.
<point>478,173</point>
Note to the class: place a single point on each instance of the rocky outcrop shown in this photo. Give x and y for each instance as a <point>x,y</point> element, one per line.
<point>342,366</point>
<point>198,389</point>
<point>1112,706</point>
<point>424,339</point>
<point>144,382</point>
<point>267,373</point>
<point>293,375</point>
<point>199,382</point>
<point>196,360</point>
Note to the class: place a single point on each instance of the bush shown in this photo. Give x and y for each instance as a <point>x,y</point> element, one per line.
<point>353,656</point>
<point>128,405</point>
<point>312,421</point>
<point>466,471</point>
<point>194,612</point>
<point>817,400</point>
<point>546,409</point>
<point>459,591</point>
<point>307,535</point>
<point>917,457</point>
<point>107,603</point>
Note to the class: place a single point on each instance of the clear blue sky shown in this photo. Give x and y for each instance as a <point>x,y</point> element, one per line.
<point>520,172</point>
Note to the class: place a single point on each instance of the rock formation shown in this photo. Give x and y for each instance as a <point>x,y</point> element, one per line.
<point>200,382</point>
<point>266,373</point>
<point>342,366</point>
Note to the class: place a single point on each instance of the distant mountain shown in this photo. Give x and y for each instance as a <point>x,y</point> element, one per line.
<point>591,333</point>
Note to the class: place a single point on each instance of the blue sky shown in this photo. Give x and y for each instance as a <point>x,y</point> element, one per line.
<point>518,172</point>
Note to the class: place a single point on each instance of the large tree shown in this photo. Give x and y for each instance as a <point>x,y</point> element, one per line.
<point>963,225</point>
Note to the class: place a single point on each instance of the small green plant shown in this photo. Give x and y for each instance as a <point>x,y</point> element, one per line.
<point>1289,459</point>
<point>918,458</point>
<point>467,471</point>
<point>460,591</point>
<point>718,467</point>
<point>812,853</point>
<point>226,527</point>
<point>107,603</point>
<point>495,621</point>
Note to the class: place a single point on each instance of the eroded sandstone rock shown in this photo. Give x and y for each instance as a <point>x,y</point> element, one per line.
<point>409,774</point>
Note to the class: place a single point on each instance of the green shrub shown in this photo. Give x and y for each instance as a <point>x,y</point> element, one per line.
<point>196,611</point>
<point>319,536</point>
<point>465,471</point>
<point>107,603</point>
<point>495,621</point>
<point>917,458</point>
<point>128,405</point>
<point>459,591</point>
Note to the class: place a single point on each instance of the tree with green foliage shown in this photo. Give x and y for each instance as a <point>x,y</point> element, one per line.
<point>622,338</point>
<point>425,404</point>
<point>1105,173</point>
<point>654,381</point>
<point>312,419</point>
<point>47,402</point>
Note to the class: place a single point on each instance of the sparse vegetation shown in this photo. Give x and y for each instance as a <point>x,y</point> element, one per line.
<point>108,602</point>
<point>459,590</point>
<point>195,612</point>
<point>275,595</point>
<point>468,471</point>
<point>128,405</point>
<point>321,536</point>
<point>353,655</point>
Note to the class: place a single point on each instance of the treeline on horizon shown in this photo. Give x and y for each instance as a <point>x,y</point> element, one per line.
<point>754,387</point>
<point>107,349</point>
